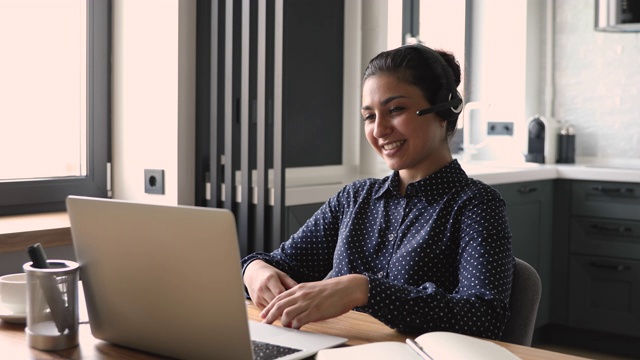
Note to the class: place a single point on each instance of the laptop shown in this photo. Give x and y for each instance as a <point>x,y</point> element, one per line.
<point>167,280</point>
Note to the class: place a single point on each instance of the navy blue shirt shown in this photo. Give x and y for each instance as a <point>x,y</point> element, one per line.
<point>437,259</point>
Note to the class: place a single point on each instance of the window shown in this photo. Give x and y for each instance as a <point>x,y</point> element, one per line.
<point>442,25</point>
<point>502,50</point>
<point>54,102</point>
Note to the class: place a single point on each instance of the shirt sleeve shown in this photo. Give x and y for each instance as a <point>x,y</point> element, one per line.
<point>479,304</point>
<point>308,254</point>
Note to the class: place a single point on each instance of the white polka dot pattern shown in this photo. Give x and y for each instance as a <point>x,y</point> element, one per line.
<point>438,258</point>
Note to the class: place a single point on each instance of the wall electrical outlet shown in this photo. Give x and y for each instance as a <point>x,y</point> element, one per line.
<point>500,128</point>
<point>153,181</point>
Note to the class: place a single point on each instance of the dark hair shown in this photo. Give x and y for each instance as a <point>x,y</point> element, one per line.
<point>417,65</point>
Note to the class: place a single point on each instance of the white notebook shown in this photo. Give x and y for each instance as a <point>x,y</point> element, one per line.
<point>438,345</point>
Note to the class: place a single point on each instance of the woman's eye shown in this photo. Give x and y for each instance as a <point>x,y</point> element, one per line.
<point>369,117</point>
<point>396,109</point>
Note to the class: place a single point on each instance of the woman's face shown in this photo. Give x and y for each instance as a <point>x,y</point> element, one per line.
<point>414,145</point>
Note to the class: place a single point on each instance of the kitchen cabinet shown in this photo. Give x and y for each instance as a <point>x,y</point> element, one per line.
<point>604,257</point>
<point>529,211</point>
<point>297,215</point>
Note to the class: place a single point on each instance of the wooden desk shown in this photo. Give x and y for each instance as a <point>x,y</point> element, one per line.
<point>357,327</point>
<point>361,328</point>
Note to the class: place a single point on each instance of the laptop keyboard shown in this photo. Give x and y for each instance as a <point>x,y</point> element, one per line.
<point>267,351</point>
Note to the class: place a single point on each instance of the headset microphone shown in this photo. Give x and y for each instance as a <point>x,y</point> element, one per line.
<point>453,104</point>
<point>449,102</point>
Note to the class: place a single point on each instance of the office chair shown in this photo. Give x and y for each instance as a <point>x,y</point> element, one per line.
<point>523,304</point>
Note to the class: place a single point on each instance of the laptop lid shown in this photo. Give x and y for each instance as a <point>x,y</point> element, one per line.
<point>166,279</point>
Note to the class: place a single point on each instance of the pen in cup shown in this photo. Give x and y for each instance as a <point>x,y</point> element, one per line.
<point>50,289</point>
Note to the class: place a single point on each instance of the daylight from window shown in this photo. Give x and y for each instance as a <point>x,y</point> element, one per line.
<point>442,26</point>
<point>42,89</point>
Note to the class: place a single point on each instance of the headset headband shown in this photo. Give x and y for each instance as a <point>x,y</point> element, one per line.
<point>451,106</point>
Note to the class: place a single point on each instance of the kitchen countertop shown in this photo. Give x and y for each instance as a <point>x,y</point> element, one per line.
<point>598,173</point>
<point>493,173</point>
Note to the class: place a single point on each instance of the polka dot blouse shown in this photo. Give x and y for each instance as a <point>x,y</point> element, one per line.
<point>437,259</point>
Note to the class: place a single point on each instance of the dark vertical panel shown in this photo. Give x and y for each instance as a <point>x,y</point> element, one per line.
<point>269,78</point>
<point>205,66</point>
<point>216,116</point>
<point>269,109</point>
<point>312,93</point>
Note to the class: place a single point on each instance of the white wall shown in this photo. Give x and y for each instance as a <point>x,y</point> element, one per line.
<point>597,83</point>
<point>154,98</point>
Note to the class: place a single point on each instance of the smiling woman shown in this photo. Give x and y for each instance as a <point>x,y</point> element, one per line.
<point>54,102</point>
<point>424,249</point>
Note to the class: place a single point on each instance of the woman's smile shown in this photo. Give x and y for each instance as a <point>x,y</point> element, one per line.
<point>393,145</point>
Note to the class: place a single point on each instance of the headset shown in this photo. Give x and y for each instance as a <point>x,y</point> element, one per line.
<point>448,100</point>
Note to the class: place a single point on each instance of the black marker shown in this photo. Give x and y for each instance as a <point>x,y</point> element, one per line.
<point>38,257</point>
<point>49,288</point>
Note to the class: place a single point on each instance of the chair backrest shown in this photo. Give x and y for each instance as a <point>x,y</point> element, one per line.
<point>523,304</point>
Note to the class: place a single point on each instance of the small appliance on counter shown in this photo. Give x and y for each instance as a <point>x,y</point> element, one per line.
<point>566,145</point>
<point>618,15</point>
<point>537,135</point>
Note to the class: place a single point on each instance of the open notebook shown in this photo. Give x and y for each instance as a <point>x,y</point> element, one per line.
<point>166,279</point>
<point>438,345</point>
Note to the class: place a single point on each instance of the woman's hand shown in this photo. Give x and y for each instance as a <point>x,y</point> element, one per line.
<point>264,282</point>
<point>315,301</point>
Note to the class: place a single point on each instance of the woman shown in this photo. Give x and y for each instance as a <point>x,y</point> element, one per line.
<point>423,249</point>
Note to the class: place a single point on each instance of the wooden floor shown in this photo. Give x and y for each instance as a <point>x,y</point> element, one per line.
<point>589,354</point>
<point>589,344</point>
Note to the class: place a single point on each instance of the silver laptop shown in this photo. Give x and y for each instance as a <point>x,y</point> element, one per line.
<point>166,279</point>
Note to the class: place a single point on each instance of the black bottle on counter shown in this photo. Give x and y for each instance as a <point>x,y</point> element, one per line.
<point>566,145</point>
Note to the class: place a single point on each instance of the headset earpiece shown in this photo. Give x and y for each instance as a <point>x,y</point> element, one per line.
<point>448,101</point>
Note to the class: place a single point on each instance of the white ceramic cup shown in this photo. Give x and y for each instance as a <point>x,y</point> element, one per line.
<point>13,292</point>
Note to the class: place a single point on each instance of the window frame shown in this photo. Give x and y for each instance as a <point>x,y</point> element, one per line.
<point>47,195</point>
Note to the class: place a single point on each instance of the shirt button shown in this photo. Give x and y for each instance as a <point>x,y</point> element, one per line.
<point>380,274</point>
<point>391,236</point>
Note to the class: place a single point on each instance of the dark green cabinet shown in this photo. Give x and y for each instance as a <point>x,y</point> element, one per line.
<point>604,294</point>
<point>297,215</point>
<point>604,257</point>
<point>530,214</point>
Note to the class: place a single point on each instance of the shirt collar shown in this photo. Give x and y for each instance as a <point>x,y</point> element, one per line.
<point>445,179</point>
